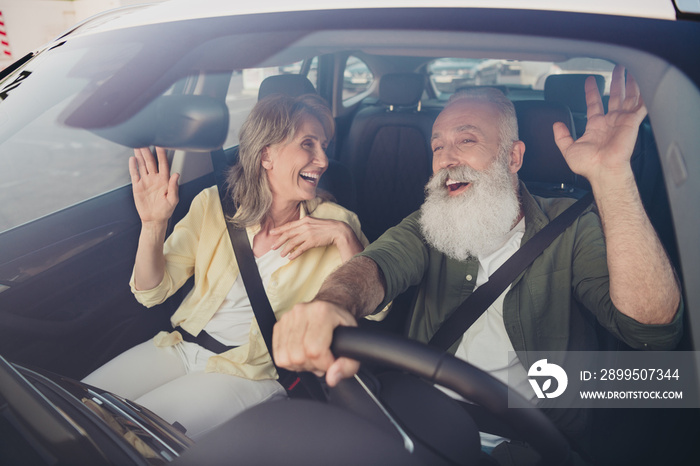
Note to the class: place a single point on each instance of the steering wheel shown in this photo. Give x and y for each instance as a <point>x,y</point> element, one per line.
<point>473,384</point>
<point>305,432</point>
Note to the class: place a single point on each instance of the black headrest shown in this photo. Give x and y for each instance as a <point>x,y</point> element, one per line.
<point>467,87</point>
<point>290,84</point>
<point>401,89</point>
<point>543,161</point>
<point>569,89</point>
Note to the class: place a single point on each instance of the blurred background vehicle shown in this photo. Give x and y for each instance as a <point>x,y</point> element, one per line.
<point>448,74</point>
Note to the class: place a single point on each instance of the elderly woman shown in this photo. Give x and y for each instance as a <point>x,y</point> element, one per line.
<point>297,237</point>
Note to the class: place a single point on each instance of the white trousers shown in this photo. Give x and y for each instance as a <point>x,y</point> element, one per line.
<point>171,382</point>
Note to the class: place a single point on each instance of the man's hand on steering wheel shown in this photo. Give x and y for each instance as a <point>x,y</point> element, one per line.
<point>301,341</point>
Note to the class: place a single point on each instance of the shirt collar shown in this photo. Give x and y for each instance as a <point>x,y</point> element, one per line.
<point>535,218</point>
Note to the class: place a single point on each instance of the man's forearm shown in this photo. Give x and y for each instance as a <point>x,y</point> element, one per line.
<point>357,286</point>
<point>642,282</point>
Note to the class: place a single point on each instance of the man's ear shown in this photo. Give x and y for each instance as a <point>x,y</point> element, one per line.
<point>266,158</point>
<point>517,152</point>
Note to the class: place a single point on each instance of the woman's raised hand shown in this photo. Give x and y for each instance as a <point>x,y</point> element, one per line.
<point>309,232</point>
<point>155,190</point>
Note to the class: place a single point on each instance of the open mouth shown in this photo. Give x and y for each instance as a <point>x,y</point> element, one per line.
<point>455,187</point>
<point>310,177</point>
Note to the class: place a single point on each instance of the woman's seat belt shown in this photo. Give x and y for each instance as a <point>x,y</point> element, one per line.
<point>262,309</point>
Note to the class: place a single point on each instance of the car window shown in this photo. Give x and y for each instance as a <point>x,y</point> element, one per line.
<point>357,78</point>
<point>449,74</point>
<point>532,74</point>
<point>243,91</point>
<point>312,74</point>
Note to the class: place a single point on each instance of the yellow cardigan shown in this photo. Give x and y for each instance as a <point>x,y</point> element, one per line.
<point>200,245</point>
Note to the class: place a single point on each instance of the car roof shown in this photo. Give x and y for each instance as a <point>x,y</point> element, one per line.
<point>660,9</point>
<point>177,10</point>
<point>436,32</point>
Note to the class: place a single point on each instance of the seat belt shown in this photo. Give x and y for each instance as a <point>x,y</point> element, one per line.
<point>474,306</point>
<point>255,290</point>
<point>262,309</point>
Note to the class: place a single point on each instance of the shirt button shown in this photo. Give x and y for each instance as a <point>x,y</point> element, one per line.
<point>469,277</point>
<point>273,283</point>
<point>255,332</point>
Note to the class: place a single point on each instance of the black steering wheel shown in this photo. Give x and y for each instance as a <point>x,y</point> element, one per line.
<point>305,432</point>
<point>473,384</point>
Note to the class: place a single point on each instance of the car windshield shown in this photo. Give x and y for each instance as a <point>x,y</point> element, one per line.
<point>64,106</point>
<point>37,100</point>
<point>71,93</point>
<point>72,114</point>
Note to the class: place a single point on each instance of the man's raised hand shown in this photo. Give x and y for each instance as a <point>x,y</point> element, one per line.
<point>605,149</point>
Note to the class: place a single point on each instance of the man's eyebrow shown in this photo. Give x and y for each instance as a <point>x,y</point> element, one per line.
<point>464,128</point>
<point>459,129</point>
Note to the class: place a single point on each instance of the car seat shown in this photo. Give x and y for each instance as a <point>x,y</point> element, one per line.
<point>544,170</point>
<point>568,89</point>
<point>290,84</point>
<point>388,152</point>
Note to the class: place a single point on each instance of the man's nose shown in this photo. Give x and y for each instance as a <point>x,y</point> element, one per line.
<point>445,158</point>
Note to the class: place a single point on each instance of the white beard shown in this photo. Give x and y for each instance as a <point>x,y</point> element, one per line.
<point>474,222</point>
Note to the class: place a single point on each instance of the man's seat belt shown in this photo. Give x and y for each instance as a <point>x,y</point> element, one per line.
<point>474,306</point>
<point>262,309</point>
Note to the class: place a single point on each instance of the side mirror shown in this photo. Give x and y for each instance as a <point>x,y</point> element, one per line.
<point>188,122</point>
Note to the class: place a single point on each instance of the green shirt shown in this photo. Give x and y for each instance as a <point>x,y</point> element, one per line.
<point>549,306</point>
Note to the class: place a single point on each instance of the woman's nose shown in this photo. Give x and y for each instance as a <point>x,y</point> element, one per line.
<point>320,158</point>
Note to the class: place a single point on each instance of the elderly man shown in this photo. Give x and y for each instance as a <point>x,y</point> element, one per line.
<point>476,215</point>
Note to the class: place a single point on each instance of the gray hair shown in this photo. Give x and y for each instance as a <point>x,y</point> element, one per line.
<point>507,120</point>
<point>272,120</point>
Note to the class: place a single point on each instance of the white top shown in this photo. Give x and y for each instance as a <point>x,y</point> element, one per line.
<point>486,344</point>
<point>231,323</point>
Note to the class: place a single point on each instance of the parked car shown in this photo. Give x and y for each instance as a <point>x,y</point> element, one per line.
<point>449,73</point>
<point>168,74</point>
<point>509,72</point>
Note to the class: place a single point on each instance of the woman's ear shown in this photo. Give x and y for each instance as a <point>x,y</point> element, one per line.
<point>266,158</point>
